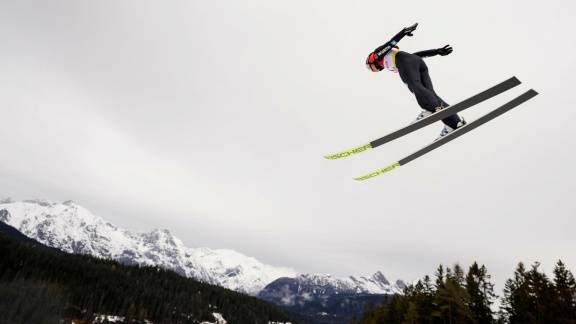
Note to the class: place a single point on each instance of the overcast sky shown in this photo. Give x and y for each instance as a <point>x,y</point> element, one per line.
<point>211,119</point>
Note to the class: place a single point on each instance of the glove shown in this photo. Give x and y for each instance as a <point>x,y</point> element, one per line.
<point>408,30</point>
<point>444,50</point>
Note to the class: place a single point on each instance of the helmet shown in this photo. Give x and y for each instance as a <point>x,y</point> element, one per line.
<point>374,63</point>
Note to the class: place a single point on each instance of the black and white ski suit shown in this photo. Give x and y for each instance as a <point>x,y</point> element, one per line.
<point>414,73</point>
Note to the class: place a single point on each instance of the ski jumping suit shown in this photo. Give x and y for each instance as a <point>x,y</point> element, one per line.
<point>414,73</point>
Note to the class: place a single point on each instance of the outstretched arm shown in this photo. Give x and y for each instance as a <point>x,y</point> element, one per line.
<point>433,52</point>
<point>427,53</point>
<point>382,50</point>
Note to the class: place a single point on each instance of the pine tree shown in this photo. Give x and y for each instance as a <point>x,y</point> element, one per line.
<point>458,274</point>
<point>542,292</point>
<point>411,316</point>
<point>565,288</point>
<point>398,306</point>
<point>439,277</point>
<point>425,300</point>
<point>516,302</point>
<point>380,312</point>
<point>452,299</point>
<point>529,297</point>
<point>370,314</point>
<point>481,293</point>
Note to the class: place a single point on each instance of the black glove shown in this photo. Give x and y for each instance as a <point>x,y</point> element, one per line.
<point>444,50</point>
<point>408,30</point>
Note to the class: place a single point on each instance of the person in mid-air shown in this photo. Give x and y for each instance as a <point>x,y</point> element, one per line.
<point>414,73</point>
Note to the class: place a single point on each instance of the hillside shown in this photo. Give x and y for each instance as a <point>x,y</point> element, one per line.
<point>36,285</point>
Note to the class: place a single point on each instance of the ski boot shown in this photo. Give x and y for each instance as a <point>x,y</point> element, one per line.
<point>425,113</point>
<point>447,129</point>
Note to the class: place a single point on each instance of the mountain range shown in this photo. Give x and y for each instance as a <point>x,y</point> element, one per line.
<point>328,299</point>
<point>71,228</point>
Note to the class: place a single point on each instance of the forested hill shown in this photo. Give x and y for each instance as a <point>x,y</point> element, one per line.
<point>455,296</point>
<point>37,286</point>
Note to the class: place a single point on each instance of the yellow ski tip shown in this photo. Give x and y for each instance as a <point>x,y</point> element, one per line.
<point>354,151</point>
<point>376,173</point>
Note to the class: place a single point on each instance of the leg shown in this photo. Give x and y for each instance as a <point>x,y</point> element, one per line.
<point>452,120</point>
<point>409,69</point>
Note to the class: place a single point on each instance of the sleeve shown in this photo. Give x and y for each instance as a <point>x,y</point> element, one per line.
<point>382,50</point>
<point>427,53</point>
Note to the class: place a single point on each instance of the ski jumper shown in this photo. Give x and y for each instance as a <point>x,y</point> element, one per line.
<point>414,73</point>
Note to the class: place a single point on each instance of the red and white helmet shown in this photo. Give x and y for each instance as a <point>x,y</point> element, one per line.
<point>374,63</point>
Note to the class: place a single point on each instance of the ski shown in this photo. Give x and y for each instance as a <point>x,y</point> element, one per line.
<point>455,134</point>
<point>474,100</point>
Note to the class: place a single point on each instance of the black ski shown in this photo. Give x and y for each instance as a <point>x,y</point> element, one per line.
<point>474,100</point>
<point>455,134</point>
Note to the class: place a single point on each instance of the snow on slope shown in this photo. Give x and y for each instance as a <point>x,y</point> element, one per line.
<point>328,284</point>
<point>73,229</point>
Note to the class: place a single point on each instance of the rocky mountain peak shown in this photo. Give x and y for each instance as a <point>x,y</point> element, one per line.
<point>73,229</point>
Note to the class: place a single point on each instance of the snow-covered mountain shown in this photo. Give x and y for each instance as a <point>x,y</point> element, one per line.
<point>324,297</point>
<point>71,228</point>
<point>287,290</point>
<point>328,284</point>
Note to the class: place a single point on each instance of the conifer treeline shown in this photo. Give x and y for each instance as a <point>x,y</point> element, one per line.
<point>42,287</point>
<point>456,297</point>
